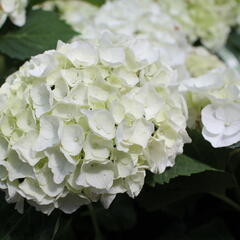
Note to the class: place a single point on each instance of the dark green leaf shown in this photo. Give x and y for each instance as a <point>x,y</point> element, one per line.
<point>63,230</point>
<point>235,146</point>
<point>120,216</point>
<point>184,166</point>
<point>96,2</point>
<point>202,150</point>
<point>214,230</point>
<point>41,32</point>
<point>233,43</point>
<point>35,2</point>
<point>179,188</point>
<point>30,225</point>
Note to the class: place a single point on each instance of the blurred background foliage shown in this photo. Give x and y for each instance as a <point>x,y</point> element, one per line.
<point>199,198</point>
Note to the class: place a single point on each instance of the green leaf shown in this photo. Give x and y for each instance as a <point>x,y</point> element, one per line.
<point>184,166</point>
<point>202,150</point>
<point>160,196</point>
<point>63,229</point>
<point>96,2</point>
<point>35,2</point>
<point>31,225</point>
<point>235,146</point>
<point>233,43</point>
<point>120,216</point>
<point>41,32</point>
<point>216,229</point>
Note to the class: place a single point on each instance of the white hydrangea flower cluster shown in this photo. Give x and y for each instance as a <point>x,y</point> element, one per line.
<point>76,13</point>
<point>213,97</point>
<point>143,19</point>
<point>15,10</point>
<point>209,20</point>
<point>84,122</point>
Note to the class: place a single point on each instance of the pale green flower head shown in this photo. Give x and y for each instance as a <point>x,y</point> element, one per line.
<point>77,13</point>
<point>84,122</point>
<point>212,92</point>
<point>199,61</point>
<point>15,10</point>
<point>144,19</point>
<point>209,20</point>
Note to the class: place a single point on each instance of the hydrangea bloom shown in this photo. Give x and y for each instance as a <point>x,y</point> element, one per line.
<point>199,62</point>
<point>221,124</point>
<point>209,20</point>
<point>15,10</point>
<point>213,96</point>
<point>142,18</point>
<point>77,13</point>
<point>84,122</point>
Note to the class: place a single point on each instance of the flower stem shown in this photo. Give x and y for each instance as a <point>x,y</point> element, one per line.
<point>98,234</point>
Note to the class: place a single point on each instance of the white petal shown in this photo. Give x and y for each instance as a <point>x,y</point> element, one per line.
<point>214,139</point>
<point>8,5</point>
<point>96,148</point>
<point>132,107</point>
<point>31,190</point>
<point>112,56</point>
<point>3,148</point>
<point>127,77</point>
<point>71,203</point>
<point>72,139</point>
<point>41,65</point>
<point>25,120</point>
<point>210,81</point>
<point>66,110</point>
<point>219,140</point>
<point>101,123</point>
<point>60,89</point>
<point>24,148</point>
<point>45,179</point>
<point>156,157</point>
<point>49,133</point>
<point>72,76</point>
<point>210,121</point>
<point>143,53</point>
<point>80,54</point>
<point>118,111</point>
<point>124,164</point>
<point>46,209</point>
<point>98,93</point>
<point>40,94</point>
<point>107,199</point>
<point>42,99</point>
<point>17,168</point>
<point>78,95</point>
<point>18,17</point>
<point>3,101</point>
<point>3,170</point>
<point>7,126</point>
<point>97,175</point>
<point>135,183</point>
<point>150,99</point>
<point>59,165</point>
<point>137,133</point>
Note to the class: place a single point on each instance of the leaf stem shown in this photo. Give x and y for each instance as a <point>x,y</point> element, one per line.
<point>56,227</point>
<point>98,234</point>
<point>7,235</point>
<point>227,200</point>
